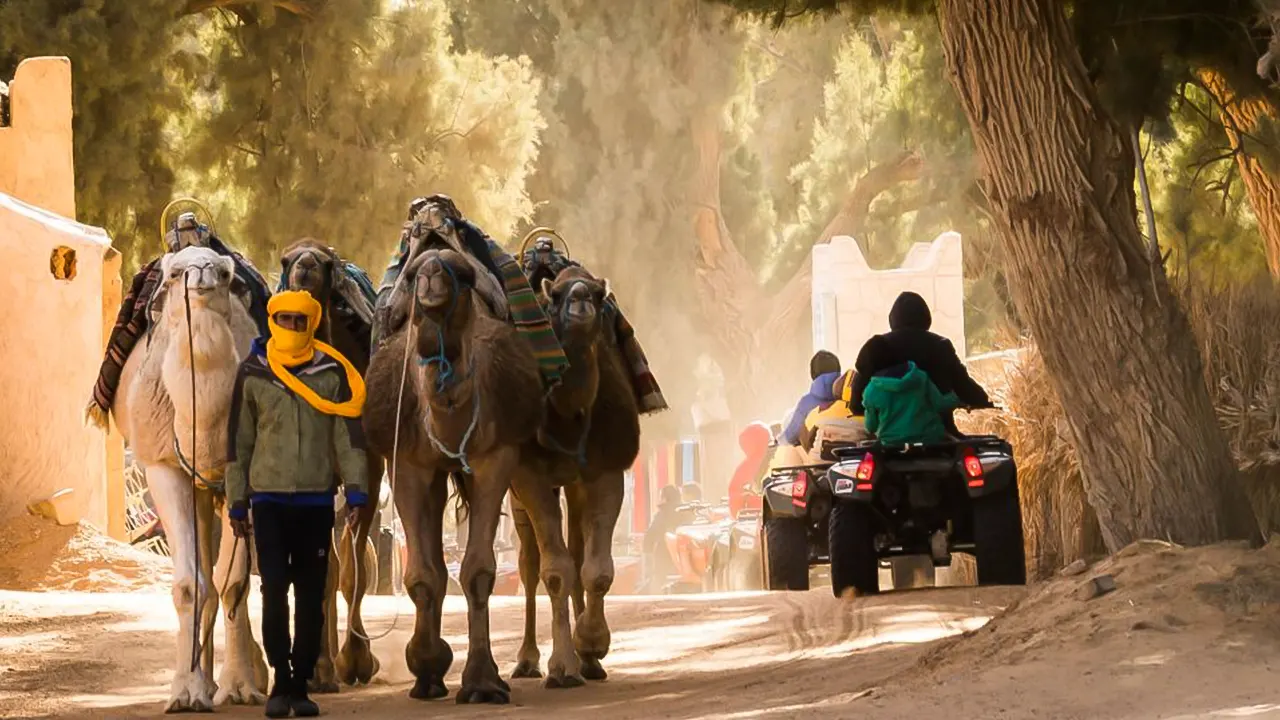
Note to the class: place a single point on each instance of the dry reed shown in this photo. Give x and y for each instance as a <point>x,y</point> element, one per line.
<point>1238,329</point>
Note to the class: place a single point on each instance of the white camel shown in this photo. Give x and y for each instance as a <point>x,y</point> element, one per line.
<point>154,412</point>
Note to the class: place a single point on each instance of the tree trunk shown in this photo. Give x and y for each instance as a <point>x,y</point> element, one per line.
<point>729,297</point>
<point>1059,176</point>
<point>1242,115</point>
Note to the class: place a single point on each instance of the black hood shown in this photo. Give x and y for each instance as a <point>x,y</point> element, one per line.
<point>910,312</point>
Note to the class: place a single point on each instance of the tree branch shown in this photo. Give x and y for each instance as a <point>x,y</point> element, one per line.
<point>295,7</point>
<point>790,303</point>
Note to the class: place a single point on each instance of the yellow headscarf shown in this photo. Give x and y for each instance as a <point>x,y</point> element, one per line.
<point>290,348</point>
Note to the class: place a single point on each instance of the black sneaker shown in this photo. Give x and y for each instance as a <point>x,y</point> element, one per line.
<point>278,705</point>
<point>302,705</point>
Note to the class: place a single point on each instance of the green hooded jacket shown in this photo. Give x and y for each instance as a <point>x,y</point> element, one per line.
<point>279,444</point>
<point>906,409</point>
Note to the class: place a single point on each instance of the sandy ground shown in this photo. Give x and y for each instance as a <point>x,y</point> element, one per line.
<point>36,554</point>
<point>1186,634</point>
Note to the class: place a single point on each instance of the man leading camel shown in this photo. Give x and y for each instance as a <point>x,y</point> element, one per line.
<point>295,414</point>
<point>136,312</point>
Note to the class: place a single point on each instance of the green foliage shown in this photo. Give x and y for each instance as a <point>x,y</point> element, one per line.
<point>780,12</point>
<point>129,62</point>
<point>780,90</point>
<point>1203,217</point>
<point>332,124</point>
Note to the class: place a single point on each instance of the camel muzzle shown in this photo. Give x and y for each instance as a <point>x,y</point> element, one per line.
<point>307,272</point>
<point>579,306</point>
<point>436,285</point>
<point>203,280</point>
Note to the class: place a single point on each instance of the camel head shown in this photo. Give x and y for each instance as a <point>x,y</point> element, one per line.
<point>310,265</point>
<point>577,305</point>
<point>442,285</point>
<point>200,275</point>
<point>578,313</point>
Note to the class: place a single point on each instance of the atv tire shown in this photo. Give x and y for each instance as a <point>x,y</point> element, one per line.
<point>851,542</point>
<point>786,554</point>
<point>997,535</point>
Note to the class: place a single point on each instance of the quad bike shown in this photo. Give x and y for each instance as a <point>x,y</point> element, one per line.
<point>735,558</point>
<point>796,505</point>
<point>925,500</point>
<point>691,546</point>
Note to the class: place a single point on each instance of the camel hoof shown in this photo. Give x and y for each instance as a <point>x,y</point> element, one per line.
<point>325,680</point>
<point>526,669</point>
<point>356,664</point>
<point>238,692</point>
<point>592,669</point>
<point>563,682</point>
<point>428,689</point>
<point>323,687</point>
<point>193,695</point>
<point>490,696</point>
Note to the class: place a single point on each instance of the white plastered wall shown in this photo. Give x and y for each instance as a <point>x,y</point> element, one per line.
<point>51,340</point>
<point>851,301</point>
<point>53,330</point>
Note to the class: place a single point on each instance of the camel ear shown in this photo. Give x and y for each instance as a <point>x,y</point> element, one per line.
<point>546,287</point>
<point>608,290</point>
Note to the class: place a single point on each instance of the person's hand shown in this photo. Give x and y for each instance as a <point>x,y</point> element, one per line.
<point>356,500</point>
<point>241,528</point>
<point>353,516</point>
<point>238,515</point>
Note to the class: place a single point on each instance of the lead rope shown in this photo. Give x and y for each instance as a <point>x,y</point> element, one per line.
<point>197,610</point>
<point>391,479</point>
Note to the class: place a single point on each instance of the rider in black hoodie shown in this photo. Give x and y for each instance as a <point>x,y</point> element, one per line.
<point>909,339</point>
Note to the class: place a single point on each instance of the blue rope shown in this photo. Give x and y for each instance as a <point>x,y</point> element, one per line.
<point>581,454</point>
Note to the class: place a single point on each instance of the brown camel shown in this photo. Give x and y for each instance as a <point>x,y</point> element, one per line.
<point>317,268</point>
<point>467,390</point>
<point>590,437</point>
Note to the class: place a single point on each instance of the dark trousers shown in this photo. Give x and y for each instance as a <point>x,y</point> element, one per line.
<point>293,543</point>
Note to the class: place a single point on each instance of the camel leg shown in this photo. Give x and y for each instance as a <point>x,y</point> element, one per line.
<point>356,662</point>
<point>576,536</point>
<point>542,506</point>
<point>527,662</point>
<point>325,678</point>
<point>208,601</point>
<point>420,495</point>
<point>192,689</point>
<point>601,501</point>
<point>481,682</point>
<point>243,680</point>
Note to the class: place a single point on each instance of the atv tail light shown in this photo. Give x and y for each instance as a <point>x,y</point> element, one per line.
<point>866,469</point>
<point>799,488</point>
<point>973,470</point>
<point>862,487</point>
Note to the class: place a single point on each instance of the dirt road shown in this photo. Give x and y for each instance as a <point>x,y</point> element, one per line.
<point>726,657</point>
